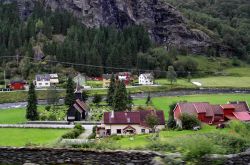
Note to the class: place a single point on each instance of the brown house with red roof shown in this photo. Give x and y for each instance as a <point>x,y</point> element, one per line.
<point>123,123</point>
<point>213,114</point>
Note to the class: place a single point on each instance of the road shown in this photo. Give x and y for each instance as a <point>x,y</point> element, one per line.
<point>144,95</point>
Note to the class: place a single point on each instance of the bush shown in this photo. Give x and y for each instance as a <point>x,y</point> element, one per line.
<point>47,107</point>
<point>78,129</point>
<point>241,128</point>
<point>78,126</point>
<point>189,121</point>
<point>230,144</point>
<point>160,146</point>
<point>52,117</point>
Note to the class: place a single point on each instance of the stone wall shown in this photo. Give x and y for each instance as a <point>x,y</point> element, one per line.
<point>74,156</point>
<point>232,159</point>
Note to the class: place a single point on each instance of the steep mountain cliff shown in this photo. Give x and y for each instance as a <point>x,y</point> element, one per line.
<point>164,23</point>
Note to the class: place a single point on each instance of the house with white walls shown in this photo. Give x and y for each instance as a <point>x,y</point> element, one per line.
<point>146,79</point>
<point>126,123</point>
<point>46,80</point>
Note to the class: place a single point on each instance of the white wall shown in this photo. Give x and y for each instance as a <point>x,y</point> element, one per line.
<point>42,84</point>
<point>145,81</point>
<point>137,127</point>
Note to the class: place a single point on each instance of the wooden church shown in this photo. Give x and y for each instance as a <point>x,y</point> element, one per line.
<point>79,110</point>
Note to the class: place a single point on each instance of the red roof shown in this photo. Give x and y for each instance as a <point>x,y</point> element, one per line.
<point>188,108</point>
<point>243,116</point>
<point>227,106</point>
<point>137,117</point>
<point>240,106</point>
<point>217,109</point>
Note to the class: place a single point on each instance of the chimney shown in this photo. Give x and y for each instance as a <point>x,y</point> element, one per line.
<point>112,115</point>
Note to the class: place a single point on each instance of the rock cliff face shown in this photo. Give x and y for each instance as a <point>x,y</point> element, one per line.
<point>164,23</point>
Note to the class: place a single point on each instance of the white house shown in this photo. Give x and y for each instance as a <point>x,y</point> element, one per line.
<point>46,80</point>
<point>42,81</point>
<point>54,79</point>
<point>146,79</point>
<point>125,123</point>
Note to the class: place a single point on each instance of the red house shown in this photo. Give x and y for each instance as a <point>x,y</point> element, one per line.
<point>17,85</point>
<point>213,114</point>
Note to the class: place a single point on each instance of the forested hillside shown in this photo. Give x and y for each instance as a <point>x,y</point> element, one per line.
<point>228,21</point>
<point>34,45</point>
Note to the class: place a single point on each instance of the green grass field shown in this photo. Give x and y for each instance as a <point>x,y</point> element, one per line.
<point>12,116</point>
<point>180,82</point>
<point>224,81</point>
<point>239,71</point>
<point>163,103</point>
<point>141,141</point>
<point>18,137</point>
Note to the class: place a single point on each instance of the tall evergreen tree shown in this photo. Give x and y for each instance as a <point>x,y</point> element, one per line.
<point>111,90</point>
<point>70,96</point>
<point>31,111</point>
<point>120,99</point>
<point>130,102</point>
<point>171,74</point>
<point>149,100</point>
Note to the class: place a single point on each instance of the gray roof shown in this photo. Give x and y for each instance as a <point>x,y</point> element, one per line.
<point>45,77</point>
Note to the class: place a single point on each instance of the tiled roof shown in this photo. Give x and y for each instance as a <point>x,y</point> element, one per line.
<point>137,117</point>
<point>240,106</point>
<point>41,77</point>
<point>227,106</point>
<point>217,109</point>
<point>243,116</point>
<point>188,108</point>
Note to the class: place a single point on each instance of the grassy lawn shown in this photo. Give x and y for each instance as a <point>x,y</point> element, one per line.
<point>141,141</point>
<point>12,116</point>
<point>18,137</point>
<point>17,115</point>
<point>239,71</point>
<point>163,103</point>
<point>225,81</point>
<point>180,82</point>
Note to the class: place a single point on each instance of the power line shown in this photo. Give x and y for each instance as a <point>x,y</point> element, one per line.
<point>106,67</point>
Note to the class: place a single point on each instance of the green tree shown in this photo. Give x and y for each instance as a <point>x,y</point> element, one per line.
<point>120,99</point>
<point>97,99</point>
<point>149,100</point>
<point>70,96</point>
<point>152,121</point>
<point>171,74</point>
<point>130,102</point>
<point>31,110</point>
<point>171,122</point>
<point>85,95</point>
<point>111,90</point>
<point>39,25</point>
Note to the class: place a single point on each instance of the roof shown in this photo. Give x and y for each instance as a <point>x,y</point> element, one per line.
<point>227,106</point>
<point>147,76</point>
<point>54,75</point>
<point>217,109</point>
<point>18,81</point>
<point>41,77</point>
<point>137,117</point>
<point>240,106</point>
<point>243,116</point>
<point>188,108</point>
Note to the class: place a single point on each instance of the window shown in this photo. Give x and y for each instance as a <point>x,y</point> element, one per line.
<point>46,83</point>
<point>118,131</point>
<point>40,83</point>
<point>142,130</point>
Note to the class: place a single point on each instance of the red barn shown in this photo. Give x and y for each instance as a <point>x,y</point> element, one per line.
<point>17,85</point>
<point>213,114</point>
